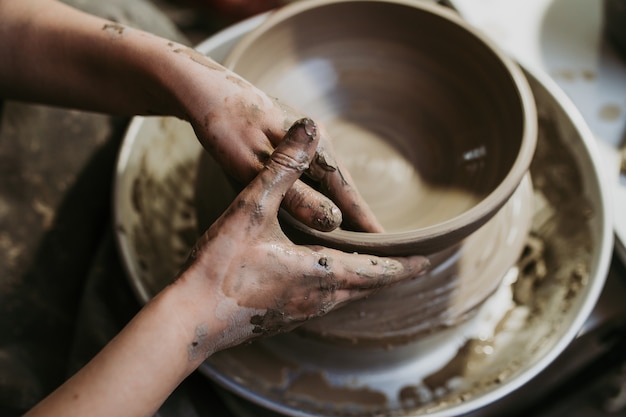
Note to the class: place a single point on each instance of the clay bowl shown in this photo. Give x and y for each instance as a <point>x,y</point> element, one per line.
<point>435,124</point>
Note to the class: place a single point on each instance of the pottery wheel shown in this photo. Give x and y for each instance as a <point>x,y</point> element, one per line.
<point>530,314</point>
<point>537,315</point>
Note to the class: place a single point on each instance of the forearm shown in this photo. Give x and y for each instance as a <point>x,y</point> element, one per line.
<point>142,365</point>
<point>53,54</point>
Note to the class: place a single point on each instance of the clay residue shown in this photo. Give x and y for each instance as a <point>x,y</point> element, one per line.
<point>196,57</point>
<point>136,196</point>
<point>571,75</point>
<point>238,81</point>
<point>251,360</point>
<point>325,392</point>
<point>533,270</point>
<point>163,210</point>
<point>199,346</point>
<point>272,322</point>
<point>114,28</point>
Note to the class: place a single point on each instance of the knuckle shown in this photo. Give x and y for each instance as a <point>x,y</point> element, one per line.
<point>289,162</point>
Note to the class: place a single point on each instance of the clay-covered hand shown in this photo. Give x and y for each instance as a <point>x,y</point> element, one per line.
<point>258,281</point>
<point>240,126</point>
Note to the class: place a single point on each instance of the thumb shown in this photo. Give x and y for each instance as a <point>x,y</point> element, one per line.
<point>289,160</point>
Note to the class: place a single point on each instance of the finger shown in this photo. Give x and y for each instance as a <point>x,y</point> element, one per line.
<point>363,281</point>
<point>290,158</point>
<point>312,208</point>
<point>338,184</point>
<point>341,277</point>
<point>364,272</point>
<point>357,214</point>
<point>350,271</point>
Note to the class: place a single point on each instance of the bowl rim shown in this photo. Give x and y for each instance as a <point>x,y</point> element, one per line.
<point>432,238</point>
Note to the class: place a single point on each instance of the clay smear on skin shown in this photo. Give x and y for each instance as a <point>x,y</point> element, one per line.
<point>196,57</point>
<point>199,347</point>
<point>114,29</point>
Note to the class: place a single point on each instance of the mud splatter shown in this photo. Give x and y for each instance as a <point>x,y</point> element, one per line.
<point>273,322</point>
<point>197,57</point>
<point>610,112</point>
<point>238,81</point>
<point>114,28</point>
<point>198,347</point>
<point>324,392</point>
<point>165,207</point>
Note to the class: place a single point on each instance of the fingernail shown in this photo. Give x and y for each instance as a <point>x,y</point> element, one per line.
<point>425,265</point>
<point>308,125</point>
<point>328,219</point>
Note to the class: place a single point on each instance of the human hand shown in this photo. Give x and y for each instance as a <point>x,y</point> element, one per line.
<point>261,283</point>
<point>240,126</point>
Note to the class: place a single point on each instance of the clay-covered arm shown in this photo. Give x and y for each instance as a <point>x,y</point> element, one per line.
<point>244,279</point>
<point>54,54</point>
<point>51,53</point>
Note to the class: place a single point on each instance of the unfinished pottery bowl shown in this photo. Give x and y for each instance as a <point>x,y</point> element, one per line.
<point>434,123</point>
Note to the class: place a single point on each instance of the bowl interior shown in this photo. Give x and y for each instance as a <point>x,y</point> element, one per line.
<point>427,118</point>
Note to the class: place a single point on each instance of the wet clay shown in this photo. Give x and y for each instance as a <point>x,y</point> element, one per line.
<point>114,28</point>
<point>426,167</point>
<point>324,391</point>
<point>196,57</point>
